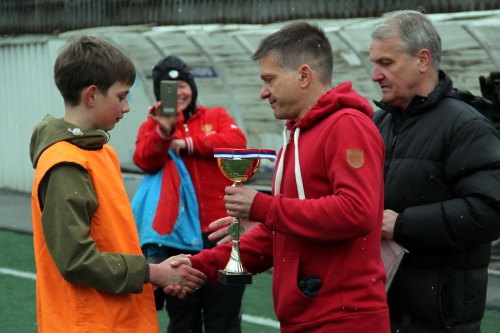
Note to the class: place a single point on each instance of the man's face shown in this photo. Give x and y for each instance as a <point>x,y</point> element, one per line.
<point>110,108</point>
<point>281,87</point>
<point>396,73</point>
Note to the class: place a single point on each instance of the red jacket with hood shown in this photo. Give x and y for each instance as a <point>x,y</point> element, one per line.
<point>334,231</point>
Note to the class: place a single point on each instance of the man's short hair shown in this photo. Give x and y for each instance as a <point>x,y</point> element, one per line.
<point>416,31</point>
<point>297,44</point>
<point>91,61</point>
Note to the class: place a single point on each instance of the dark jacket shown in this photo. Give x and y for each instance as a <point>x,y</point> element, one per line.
<point>442,175</point>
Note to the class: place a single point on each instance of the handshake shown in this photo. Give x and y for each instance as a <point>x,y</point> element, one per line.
<point>176,275</point>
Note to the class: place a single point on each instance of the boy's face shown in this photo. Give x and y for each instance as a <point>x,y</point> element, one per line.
<point>110,108</point>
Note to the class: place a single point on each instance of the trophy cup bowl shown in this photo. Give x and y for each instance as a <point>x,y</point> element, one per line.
<point>238,171</point>
<point>238,165</point>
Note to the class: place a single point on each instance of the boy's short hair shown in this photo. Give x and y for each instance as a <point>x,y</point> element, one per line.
<point>91,61</point>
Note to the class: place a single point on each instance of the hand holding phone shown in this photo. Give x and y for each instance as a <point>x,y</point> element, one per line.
<point>166,122</point>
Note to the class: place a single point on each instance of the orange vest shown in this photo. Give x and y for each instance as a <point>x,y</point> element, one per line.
<point>66,307</point>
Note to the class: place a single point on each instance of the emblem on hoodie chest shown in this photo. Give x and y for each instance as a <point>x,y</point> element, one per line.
<point>207,128</point>
<point>355,158</point>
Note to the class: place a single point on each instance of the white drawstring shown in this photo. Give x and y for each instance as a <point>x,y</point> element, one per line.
<point>279,172</point>
<point>298,176</point>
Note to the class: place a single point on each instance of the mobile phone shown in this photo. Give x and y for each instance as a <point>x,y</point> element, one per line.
<point>168,96</point>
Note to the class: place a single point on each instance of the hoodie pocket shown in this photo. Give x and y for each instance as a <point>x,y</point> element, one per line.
<point>292,306</point>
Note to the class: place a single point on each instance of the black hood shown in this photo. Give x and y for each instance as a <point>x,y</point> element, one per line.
<point>173,68</point>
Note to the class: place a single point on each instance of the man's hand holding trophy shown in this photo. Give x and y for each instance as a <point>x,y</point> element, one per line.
<point>238,165</point>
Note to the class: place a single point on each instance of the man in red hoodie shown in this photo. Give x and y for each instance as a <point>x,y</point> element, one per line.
<point>321,228</point>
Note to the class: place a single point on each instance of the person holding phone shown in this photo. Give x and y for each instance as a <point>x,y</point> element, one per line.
<point>192,134</point>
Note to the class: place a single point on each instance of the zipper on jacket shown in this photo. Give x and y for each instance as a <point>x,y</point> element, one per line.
<point>393,144</point>
<point>396,130</point>
<point>396,127</point>
<point>387,163</point>
<point>397,123</point>
<point>195,177</point>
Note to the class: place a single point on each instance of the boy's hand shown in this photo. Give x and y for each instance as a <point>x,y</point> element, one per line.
<point>183,276</point>
<point>225,223</point>
<point>175,291</point>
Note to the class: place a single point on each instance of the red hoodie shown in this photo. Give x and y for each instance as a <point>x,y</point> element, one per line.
<point>334,232</point>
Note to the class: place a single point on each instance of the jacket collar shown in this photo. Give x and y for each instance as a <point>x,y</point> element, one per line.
<point>338,98</point>
<point>420,104</point>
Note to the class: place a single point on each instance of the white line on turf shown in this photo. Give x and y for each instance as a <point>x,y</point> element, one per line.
<point>248,318</point>
<point>260,321</point>
<point>26,275</point>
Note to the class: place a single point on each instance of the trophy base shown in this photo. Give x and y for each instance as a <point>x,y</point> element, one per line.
<point>234,279</point>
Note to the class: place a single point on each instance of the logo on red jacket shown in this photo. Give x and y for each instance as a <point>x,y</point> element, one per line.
<point>207,128</point>
<point>355,158</point>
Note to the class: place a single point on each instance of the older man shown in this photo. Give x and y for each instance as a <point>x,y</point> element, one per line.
<point>442,182</point>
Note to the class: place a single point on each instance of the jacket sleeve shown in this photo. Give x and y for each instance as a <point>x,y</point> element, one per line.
<point>67,210</point>
<point>256,253</point>
<point>472,170</point>
<point>225,133</point>
<point>151,147</point>
<point>351,208</point>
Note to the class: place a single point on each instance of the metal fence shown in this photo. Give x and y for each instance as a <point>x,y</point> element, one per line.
<point>53,16</point>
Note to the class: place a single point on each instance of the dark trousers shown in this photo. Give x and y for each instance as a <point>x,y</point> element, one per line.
<point>218,307</point>
<point>215,307</point>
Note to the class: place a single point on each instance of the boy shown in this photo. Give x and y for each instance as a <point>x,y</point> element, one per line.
<point>90,267</point>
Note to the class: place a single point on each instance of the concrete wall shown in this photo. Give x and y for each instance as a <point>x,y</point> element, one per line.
<point>28,93</point>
